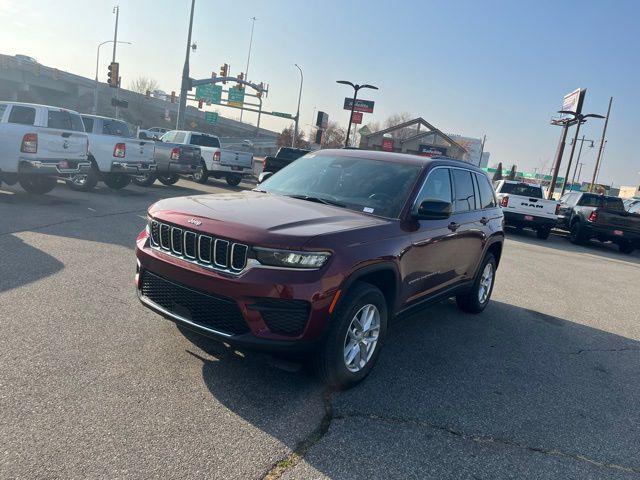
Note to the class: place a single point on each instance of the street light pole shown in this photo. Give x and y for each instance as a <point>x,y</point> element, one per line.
<point>116,10</point>
<point>484,139</point>
<point>573,149</point>
<point>602,142</point>
<point>246,71</point>
<point>356,88</point>
<point>295,134</point>
<point>95,92</point>
<point>186,81</point>
<point>559,152</point>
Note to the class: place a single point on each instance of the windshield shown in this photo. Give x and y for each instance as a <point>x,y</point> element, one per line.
<point>531,191</point>
<point>359,184</point>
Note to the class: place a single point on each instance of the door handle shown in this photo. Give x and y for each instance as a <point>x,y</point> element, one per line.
<point>484,220</point>
<point>453,226</point>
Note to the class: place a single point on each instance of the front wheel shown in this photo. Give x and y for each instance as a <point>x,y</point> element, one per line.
<point>117,181</point>
<point>576,236</point>
<point>234,180</point>
<point>543,233</point>
<point>145,180</point>
<point>478,297</point>
<point>356,334</point>
<point>626,248</point>
<point>83,182</point>
<point>169,179</point>
<point>202,174</point>
<point>37,184</point>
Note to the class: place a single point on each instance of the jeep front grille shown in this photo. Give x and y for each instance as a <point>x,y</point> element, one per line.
<point>205,250</point>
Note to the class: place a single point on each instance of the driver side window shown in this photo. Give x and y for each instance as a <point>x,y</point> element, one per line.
<point>437,187</point>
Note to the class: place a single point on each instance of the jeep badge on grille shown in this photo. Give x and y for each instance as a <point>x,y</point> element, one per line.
<point>195,222</point>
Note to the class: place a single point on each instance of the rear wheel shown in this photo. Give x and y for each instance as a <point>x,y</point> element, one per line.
<point>83,182</point>
<point>478,297</point>
<point>234,180</point>
<point>543,233</point>
<point>168,179</point>
<point>117,181</point>
<point>626,247</point>
<point>576,235</point>
<point>145,180</point>
<point>202,174</point>
<point>37,184</point>
<point>353,342</point>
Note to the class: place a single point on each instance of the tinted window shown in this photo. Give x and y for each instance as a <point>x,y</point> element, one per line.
<point>64,120</point>
<point>115,127</point>
<point>531,191</point>
<point>179,137</point>
<point>437,187</point>
<point>88,124</point>
<point>487,195</point>
<point>22,115</point>
<point>205,141</point>
<point>609,203</point>
<point>360,184</point>
<point>464,196</point>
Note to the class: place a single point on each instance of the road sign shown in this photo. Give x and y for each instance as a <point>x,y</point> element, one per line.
<point>282,114</point>
<point>209,93</point>
<point>356,118</point>
<point>364,130</point>
<point>365,106</point>
<point>236,97</point>
<point>387,144</point>
<point>211,117</point>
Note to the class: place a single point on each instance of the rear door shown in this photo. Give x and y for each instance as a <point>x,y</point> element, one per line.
<point>64,137</point>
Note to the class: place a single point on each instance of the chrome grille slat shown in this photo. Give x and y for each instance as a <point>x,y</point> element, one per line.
<point>205,250</point>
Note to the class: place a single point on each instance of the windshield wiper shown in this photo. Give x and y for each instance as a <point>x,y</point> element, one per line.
<point>324,201</point>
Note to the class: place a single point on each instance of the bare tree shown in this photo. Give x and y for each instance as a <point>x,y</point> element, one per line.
<point>334,136</point>
<point>143,84</point>
<point>286,135</point>
<point>397,119</point>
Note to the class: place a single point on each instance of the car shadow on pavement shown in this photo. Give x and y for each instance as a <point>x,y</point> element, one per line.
<point>559,240</point>
<point>513,379</point>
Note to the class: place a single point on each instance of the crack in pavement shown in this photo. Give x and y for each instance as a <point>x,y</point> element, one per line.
<point>589,350</point>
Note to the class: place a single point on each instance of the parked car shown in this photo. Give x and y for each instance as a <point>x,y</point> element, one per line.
<point>318,258</point>
<point>524,206</point>
<point>172,160</point>
<point>115,154</point>
<point>153,133</point>
<point>603,217</point>
<point>283,157</point>
<point>39,144</point>
<point>217,162</point>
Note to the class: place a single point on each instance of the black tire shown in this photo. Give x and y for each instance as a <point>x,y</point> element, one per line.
<point>84,182</point>
<point>202,174</point>
<point>37,184</point>
<point>145,180</point>
<point>626,247</point>
<point>471,302</point>
<point>234,180</point>
<point>576,235</point>
<point>116,181</point>
<point>543,233</point>
<point>168,179</point>
<point>329,360</point>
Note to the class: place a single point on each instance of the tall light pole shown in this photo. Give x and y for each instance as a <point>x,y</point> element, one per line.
<point>582,140</point>
<point>602,142</point>
<point>95,93</point>
<point>246,71</point>
<point>116,10</point>
<point>484,139</point>
<point>580,120</point>
<point>185,86</point>
<point>356,88</point>
<point>295,133</point>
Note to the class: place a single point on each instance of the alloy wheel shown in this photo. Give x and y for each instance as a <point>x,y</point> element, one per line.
<point>485,283</point>
<point>361,339</point>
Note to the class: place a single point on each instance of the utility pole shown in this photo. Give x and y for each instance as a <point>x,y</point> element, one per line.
<point>116,10</point>
<point>295,133</point>
<point>186,81</point>
<point>573,149</point>
<point>484,139</point>
<point>246,71</point>
<point>559,151</point>
<point>582,140</point>
<point>602,142</point>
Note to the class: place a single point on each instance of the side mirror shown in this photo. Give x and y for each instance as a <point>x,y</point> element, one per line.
<point>263,176</point>
<point>433,210</point>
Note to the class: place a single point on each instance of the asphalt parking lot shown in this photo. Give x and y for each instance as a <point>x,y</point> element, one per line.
<point>544,384</point>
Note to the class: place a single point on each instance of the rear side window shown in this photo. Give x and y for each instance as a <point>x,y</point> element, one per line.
<point>487,195</point>
<point>570,199</point>
<point>523,189</point>
<point>609,203</point>
<point>179,137</point>
<point>437,187</point>
<point>205,141</point>
<point>464,194</point>
<point>3,108</point>
<point>64,120</point>
<point>88,124</point>
<point>22,115</point>
<point>115,127</point>
<point>167,137</point>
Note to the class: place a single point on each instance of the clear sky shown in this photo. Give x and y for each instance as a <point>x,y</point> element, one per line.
<point>470,67</point>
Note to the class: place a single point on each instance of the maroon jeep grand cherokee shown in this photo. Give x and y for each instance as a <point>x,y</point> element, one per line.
<point>323,253</point>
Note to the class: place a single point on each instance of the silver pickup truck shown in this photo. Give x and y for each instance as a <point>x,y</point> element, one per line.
<point>172,160</point>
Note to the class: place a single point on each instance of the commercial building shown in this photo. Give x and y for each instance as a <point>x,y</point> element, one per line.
<point>474,149</point>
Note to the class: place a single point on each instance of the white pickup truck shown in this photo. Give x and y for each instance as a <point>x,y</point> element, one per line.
<point>39,144</point>
<point>115,155</point>
<point>217,162</point>
<point>524,206</point>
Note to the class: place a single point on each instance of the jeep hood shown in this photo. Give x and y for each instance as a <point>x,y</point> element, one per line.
<point>258,218</point>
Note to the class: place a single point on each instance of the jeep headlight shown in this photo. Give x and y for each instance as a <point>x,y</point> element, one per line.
<point>290,259</point>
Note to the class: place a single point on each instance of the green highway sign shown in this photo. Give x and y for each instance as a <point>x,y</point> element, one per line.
<point>211,117</point>
<point>236,97</point>
<point>282,114</point>
<point>209,93</point>
<point>216,94</point>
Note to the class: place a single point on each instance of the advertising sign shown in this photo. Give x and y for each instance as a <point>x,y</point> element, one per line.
<point>387,144</point>
<point>365,106</point>
<point>356,118</point>
<point>431,151</point>
<point>572,102</point>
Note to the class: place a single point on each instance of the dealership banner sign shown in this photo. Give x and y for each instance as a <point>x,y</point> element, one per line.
<point>365,106</point>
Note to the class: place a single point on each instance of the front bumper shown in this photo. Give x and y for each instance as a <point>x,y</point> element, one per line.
<point>54,166</point>
<point>248,298</point>
<point>519,220</point>
<point>133,168</point>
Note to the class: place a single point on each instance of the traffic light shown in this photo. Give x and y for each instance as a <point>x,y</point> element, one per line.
<point>259,94</point>
<point>112,76</point>
<point>173,96</point>
<point>224,71</point>
<point>240,77</point>
<point>200,103</point>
